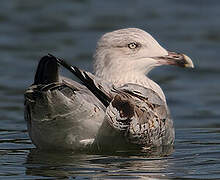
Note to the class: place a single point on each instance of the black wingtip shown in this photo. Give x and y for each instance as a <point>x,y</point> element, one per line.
<point>47,70</point>
<point>85,79</point>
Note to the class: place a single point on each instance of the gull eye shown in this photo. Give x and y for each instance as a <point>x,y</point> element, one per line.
<point>133,45</point>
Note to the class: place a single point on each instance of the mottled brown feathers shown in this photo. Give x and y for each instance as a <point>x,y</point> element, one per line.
<point>124,106</point>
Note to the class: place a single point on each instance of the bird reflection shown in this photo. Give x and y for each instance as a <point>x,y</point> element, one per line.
<point>123,164</point>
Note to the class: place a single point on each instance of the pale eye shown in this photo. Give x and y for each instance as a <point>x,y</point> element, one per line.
<point>133,45</point>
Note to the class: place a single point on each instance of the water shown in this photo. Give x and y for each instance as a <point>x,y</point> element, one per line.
<point>70,29</point>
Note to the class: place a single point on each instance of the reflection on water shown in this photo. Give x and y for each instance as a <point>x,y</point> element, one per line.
<point>196,156</point>
<point>78,165</point>
<point>69,29</point>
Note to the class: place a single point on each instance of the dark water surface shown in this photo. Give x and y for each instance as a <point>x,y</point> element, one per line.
<point>70,29</point>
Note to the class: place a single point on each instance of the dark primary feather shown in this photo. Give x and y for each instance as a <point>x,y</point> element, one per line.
<point>86,80</point>
<point>47,71</point>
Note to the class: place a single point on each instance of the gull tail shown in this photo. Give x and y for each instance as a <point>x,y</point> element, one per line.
<point>47,71</point>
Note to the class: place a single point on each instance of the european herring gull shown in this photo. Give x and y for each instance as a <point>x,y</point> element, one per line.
<point>118,106</point>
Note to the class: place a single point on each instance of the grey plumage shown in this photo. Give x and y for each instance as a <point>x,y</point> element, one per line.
<point>61,114</point>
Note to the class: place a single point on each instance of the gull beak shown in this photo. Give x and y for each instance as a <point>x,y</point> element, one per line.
<point>176,59</point>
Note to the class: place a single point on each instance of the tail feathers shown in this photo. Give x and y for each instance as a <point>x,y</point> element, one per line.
<point>47,71</point>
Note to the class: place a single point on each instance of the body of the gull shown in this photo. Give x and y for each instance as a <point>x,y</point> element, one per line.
<point>117,107</point>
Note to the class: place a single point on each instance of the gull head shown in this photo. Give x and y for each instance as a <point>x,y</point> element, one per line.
<point>132,52</point>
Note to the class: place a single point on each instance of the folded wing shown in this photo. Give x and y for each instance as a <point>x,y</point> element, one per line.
<point>60,113</point>
<point>134,115</point>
